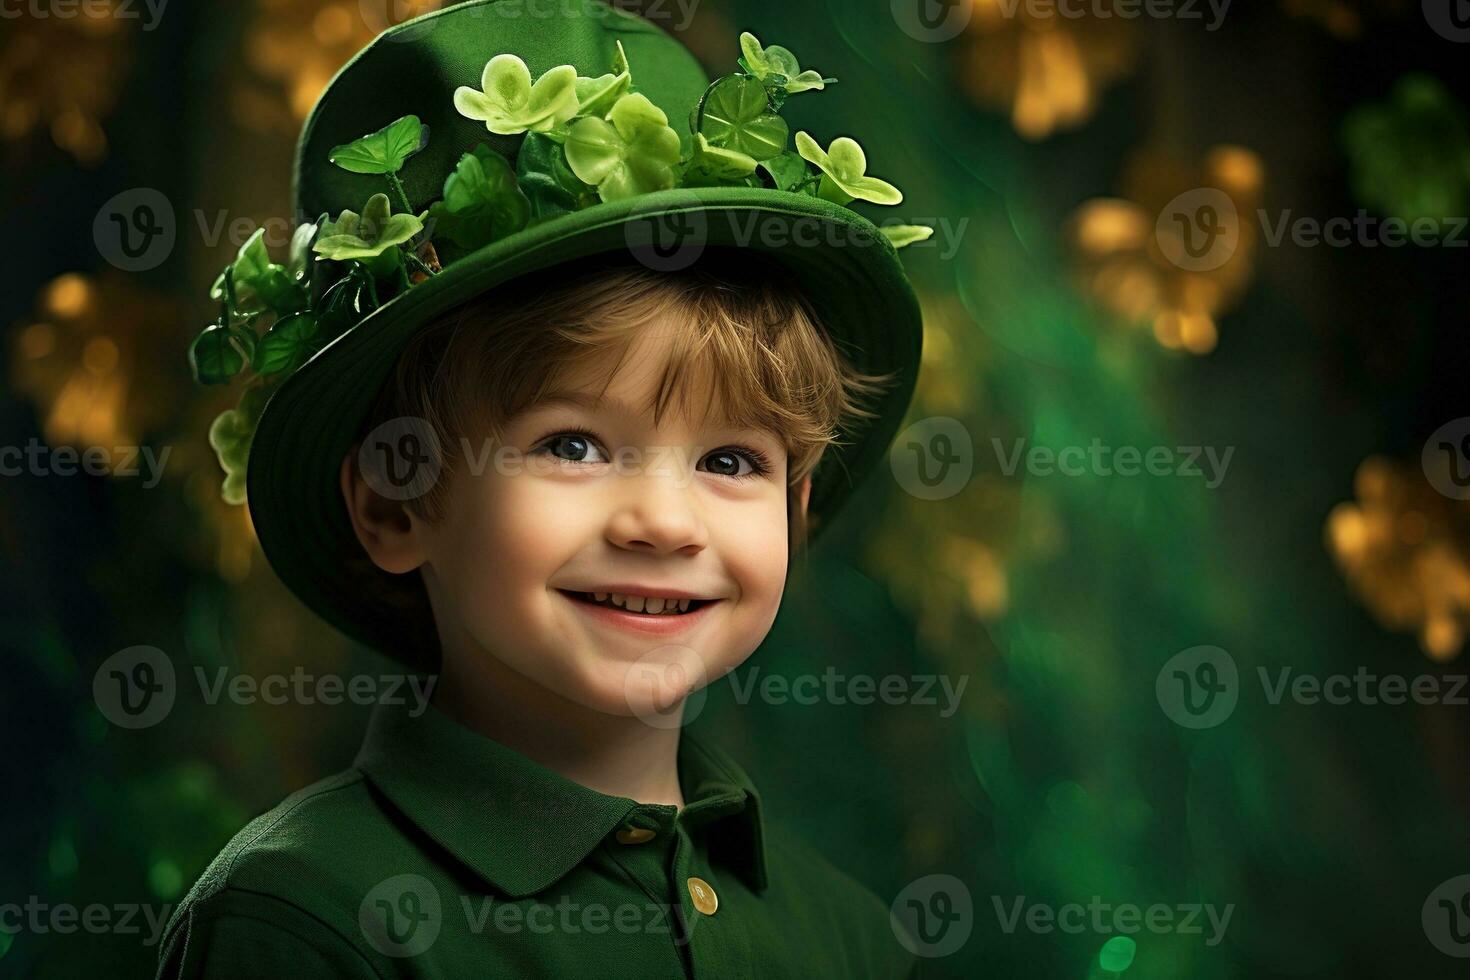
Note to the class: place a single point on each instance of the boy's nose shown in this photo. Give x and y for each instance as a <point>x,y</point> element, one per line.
<point>655,514</point>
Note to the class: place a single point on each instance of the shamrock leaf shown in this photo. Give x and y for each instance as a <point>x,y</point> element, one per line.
<point>778,67</point>
<point>735,113</point>
<point>790,172</point>
<point>901,235</point>
<point>547,179</point>
<point>287,345</point>
<point>385,151</point>
<point>481,201</point>
<point>713,166</point>
<point>596,96</point>
<point>633,151</point>
<point>843,168</point>
<point>259,283</point>
<point>219,353</point>
<point>368,236</point>
<point>510,104</point>
<point>231,435</point>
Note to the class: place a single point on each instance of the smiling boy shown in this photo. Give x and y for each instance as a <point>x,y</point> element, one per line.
<point>566,475</point>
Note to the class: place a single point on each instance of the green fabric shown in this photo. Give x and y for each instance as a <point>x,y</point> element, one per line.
<point>518,872</point>
<point>848,270</point>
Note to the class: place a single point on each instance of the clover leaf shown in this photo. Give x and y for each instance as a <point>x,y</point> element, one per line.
<point>777,66</point>
<point>231,435</point>
<point>481,201</point>
<point>713,166</point>
<point>299,262</point>
<point>369,236</point>
<point>287,345</point>
<point>597,96</point>
<point>633,151</point>
<point>547,179</point>
<point>385,151</point>
<point>843,172</point>
<point>508,103</point>
<point>219,353</point>
<point>791,173</point>
<point>735,113</point>
<point>901,235</point>
<point>259,284</point>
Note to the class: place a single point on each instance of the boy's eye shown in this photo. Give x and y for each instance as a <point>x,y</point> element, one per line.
<point>733,462</point>
<point>574,448</point>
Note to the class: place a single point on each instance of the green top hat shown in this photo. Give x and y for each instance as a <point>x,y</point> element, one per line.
<point>507,137</point>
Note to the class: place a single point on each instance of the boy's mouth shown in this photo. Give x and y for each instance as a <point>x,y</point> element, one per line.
<point>644,605</point>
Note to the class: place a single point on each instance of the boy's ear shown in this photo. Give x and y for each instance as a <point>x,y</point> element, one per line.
<point>384,527</point>
<point>806,493</point>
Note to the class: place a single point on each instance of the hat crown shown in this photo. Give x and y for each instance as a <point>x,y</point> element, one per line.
<point>415,68</point>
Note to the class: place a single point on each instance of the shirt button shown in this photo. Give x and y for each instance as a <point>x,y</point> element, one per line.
<point>704,896</point>
<point>635,835</point>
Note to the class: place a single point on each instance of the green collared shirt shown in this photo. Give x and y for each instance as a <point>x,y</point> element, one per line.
<point>441,853</point>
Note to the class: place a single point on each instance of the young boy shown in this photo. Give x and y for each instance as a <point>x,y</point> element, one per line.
<point>572,491</point>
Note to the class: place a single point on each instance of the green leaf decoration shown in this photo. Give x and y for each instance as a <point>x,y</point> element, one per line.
<point>713,166</point>
<point>547,179</point>
<point>634,151</point>
<point>735,114</point>
<point>216,355</point>
<point>231,435</point>
<point>260,284</point>
<point>901,235</point>
<point>345,304</point>
<point>369,236</point>
<point>482,202</point>
<point>287,345</point>
<point>509,104</point>
<point>385,151</point>
<point>597,96</point>
<point>789,171</point>
<point>298,264</point>
<point>844,169</point>
<point>778,67</point>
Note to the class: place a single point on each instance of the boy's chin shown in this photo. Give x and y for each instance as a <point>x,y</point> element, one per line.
<point>653,688</point>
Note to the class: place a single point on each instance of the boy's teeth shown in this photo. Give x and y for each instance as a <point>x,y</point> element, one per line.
<point>649,605</point>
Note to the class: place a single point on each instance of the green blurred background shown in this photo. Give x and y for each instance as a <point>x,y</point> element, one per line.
<point>1045,149</point>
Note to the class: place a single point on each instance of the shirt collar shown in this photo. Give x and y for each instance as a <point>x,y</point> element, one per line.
<point>491,807</point>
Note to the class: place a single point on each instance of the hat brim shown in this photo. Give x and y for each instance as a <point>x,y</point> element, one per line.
<point>847,269</point>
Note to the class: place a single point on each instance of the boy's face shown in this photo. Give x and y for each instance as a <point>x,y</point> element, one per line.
<point>590,504</point>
